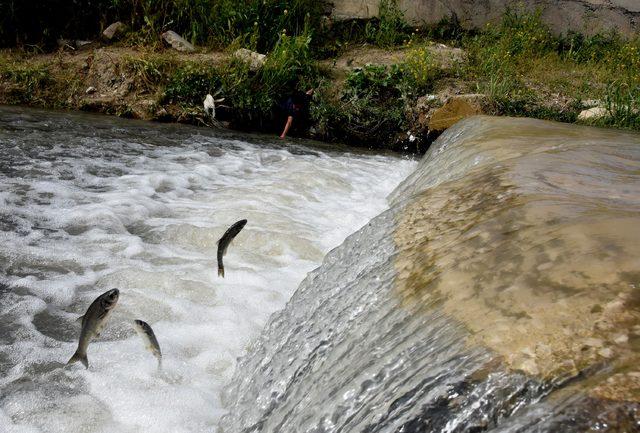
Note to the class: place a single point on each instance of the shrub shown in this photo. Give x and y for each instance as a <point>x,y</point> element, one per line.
<point>255,94</point>
<point>266,19</point>
<point>448,29</point>
<point>625,61</point>
<point>421,69</point>
<point>256,24</point>
<point>42,22</point>
<point>390,28</point>
<point>190,83</point>
<point>200,21</point>
<point>370,109</point>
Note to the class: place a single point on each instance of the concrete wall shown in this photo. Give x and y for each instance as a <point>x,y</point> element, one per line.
<point>586,16</point>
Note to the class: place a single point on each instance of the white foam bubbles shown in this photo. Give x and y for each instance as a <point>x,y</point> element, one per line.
<point>146,219</point>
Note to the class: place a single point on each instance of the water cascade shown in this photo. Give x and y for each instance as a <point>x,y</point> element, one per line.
<point>500,292</point>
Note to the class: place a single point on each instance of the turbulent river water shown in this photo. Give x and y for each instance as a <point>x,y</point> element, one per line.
<point>92,203</point>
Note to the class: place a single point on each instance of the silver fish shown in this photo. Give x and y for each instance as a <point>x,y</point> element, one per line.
<point>93,322</point>
<point>224,242</point>
<point>150,341</point>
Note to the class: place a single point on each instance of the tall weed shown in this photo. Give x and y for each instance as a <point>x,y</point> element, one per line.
<point>390,28</point>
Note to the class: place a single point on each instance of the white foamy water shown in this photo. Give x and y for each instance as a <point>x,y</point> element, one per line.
<point>88,204</point>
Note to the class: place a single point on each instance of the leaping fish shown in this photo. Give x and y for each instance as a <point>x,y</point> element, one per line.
<point>224,242</point>
<point>150,341</point>
<point>93,322</point>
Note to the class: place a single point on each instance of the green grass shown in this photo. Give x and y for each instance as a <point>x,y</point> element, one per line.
<point>150,70</point>
<point>27,80</point>
<point>190,82</point>
<point>520,65</point>
<point>622,101</point>
<point>254,94</point>
<point>523,68</point>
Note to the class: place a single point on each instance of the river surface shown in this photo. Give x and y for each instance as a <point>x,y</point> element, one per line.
<point>91,203</point>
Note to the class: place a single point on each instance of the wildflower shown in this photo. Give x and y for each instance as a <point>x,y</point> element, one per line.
<point>286,12</point>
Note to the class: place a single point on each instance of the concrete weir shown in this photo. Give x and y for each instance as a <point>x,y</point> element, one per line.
<point>500,292</point>
<point>584,16</point>
<point>534,252</point>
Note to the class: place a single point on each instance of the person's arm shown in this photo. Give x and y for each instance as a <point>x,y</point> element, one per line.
<point>286,127</point>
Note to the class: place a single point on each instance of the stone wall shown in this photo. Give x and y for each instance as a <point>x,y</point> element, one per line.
<point>585,16</point>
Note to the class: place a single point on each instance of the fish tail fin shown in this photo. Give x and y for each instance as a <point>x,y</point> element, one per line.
<point>82,357</point>
<point>221,271</point>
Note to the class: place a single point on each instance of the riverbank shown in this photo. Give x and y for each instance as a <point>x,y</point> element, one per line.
<point>398,92</point>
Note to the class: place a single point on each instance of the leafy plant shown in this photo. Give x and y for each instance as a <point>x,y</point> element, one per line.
<point>254,95</point>
<point>370,109</point>
<point>622,102</point>
<point>190,83</point>
<point>421,69</point>
<point>390,28</point>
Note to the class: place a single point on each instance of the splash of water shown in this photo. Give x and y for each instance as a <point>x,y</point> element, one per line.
<point>91,203</point>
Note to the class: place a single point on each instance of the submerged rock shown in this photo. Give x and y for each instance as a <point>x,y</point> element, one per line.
<point>177,42</point>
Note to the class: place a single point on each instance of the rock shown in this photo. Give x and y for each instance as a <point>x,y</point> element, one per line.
<point>65,44</point>
<point>255,60</point>
<point>593,113</point>
<point>90,90</point>
<point>529,366</point>
<point>605,352</point>
<point>621,339</point>
<point>177,42</point>
<point>423,109</point>
<point>143,109</point>
<point>457,108</point>
<point>589,103</point>
<point>593,342</point>
<point>85,45</point>
<point>114,31</point>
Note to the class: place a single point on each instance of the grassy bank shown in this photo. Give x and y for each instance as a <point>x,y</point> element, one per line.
<point>377,82</point>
